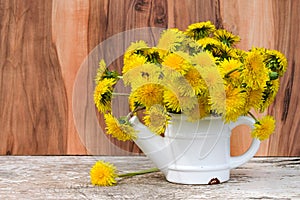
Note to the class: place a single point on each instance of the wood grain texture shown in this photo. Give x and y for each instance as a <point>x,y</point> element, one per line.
<point>67,177</point>
<point>71,47</point>
<point>286,106</point>
<point>33,100</point>
<point>50,51</point>
<point>91,129</point>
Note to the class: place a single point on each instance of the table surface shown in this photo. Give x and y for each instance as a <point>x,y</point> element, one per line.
<point>67,177</point>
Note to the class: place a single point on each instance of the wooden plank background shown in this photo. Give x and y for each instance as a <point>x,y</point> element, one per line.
<point>45,76</point>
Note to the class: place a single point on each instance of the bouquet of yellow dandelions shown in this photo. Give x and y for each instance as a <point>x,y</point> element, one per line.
<point>196,72</point>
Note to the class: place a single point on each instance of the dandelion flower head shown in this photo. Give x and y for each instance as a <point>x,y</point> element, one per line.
<point>103,94</point>
<point>148,94</point>
<point>103,174</point>
<point>264,128</point>
<point>157,118</point>
<point>120,129</point>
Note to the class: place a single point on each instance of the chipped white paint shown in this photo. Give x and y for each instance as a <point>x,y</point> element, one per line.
<point>67,177</point>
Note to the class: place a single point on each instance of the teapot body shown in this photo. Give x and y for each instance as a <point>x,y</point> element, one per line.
<point>196,152</point>
<point>200,150</point>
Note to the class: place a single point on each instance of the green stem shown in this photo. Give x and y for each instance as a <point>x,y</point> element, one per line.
<point>130,174</point>
<point>231,71</point>
<point>252,116</point>
<point>120,94</point>
<point>138,109</point>
<point>135,110</point>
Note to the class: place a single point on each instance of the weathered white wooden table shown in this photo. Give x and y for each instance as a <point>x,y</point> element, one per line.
<point>67,177</point>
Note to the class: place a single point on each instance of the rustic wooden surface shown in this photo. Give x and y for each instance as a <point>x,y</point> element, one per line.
<point>67,177</point>
<point>43,45</point>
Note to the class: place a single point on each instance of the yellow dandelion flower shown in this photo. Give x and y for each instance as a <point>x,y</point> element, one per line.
<point>170,39</point>
<point>133,62</point>
<point>184,55</point>
<point>217,100</point>
<point>224,52</point>
<point>176,62</point>
<point>253,99</point>
<point>100,71</point>
<point>204,59</point>
<point>269,94</point>
<point>103,174</point>
<point>147,73</point>
<point>103,95</point>
<point>204,107</point>
<point>133,104</point>
<point>240,53</point>
<point>261,50</point>
<point>176,102</point>
<point>104,73</point>
<point>180,85</point>
<point>276,61</point>
<point>200,110</point>
<point>255,74</point>
<point>120,129</point>
<point>157,118</point>
<point>230,70</point>
<point>148,94</point>
<point>215,87</point>
<point>274,87</point>
<point>263,128</point>
<point>155,55</point>
<point>226,37</point>
<point>195,80</point>
<point>187,102</point>
<point>171,78</point>
<point>137,46</point>
<point>212,78</point>
<point>171,101</point>
<point>190,45</point>
<point>235,103</point>
<point>200,30</point>
<point>229,103</point>
<point>162,53</point>
<point>208,43</point>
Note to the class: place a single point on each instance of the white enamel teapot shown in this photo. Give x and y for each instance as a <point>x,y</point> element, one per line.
<point>194,152</point>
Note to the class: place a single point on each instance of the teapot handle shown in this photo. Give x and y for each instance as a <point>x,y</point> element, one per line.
<point>236,161</point>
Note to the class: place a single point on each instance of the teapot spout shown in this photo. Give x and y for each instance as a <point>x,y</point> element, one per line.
<point>155,147</point>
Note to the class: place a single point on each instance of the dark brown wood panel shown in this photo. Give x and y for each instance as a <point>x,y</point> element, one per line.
<point>33,99</point>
